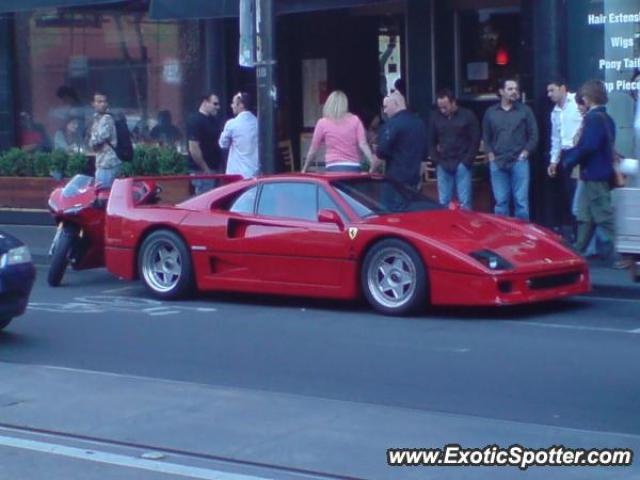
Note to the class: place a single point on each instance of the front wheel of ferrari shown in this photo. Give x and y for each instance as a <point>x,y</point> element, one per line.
<point>393,278</point>
<point>165,266</point>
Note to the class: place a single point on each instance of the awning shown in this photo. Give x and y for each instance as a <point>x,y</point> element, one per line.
<point>7,6</point>
<point>191,9</point>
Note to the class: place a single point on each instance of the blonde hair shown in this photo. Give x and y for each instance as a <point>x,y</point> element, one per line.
<point>336,106</point>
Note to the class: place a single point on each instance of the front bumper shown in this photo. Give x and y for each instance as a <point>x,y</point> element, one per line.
<point>16,282</point>
<point>508,288</point>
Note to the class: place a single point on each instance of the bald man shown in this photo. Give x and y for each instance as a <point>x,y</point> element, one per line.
<point>402,143</point>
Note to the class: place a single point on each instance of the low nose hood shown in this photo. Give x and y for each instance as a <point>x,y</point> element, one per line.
<point>522,244</point>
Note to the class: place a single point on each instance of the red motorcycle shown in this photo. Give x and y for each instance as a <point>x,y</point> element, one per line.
<point>79,209</point>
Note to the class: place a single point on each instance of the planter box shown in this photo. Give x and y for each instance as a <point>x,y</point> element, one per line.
<point>174,191</point>
<point>26,192</point>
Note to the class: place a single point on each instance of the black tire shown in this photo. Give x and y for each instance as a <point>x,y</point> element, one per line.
<point>404,287</point>
<point>60,258</point>
<point>4,322</point>
<point>165,266</point>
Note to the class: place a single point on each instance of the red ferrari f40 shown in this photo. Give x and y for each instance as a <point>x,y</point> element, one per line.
<point>337,236</point>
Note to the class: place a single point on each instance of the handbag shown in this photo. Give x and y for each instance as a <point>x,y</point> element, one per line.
<point>617,178</point>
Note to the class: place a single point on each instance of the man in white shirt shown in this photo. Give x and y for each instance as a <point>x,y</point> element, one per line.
<point>240,136</point>
<point>566,120</point>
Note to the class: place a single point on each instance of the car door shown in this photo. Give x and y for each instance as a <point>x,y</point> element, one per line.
<point>284,243</point>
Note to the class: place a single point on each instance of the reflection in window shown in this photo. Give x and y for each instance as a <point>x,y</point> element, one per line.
<point>245,202</point>
<point>325,202</point>
<point>368,197</point>
<point>143,67</point>
<point>489,45</point>
<point>289,200</point>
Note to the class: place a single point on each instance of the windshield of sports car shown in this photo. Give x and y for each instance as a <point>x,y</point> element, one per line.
<point>76,185</point>
<point>381,196</point>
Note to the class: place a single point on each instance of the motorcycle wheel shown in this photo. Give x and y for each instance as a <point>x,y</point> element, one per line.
<point>60,258</point>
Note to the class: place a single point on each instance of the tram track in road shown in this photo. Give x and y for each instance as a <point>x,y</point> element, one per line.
<point>151,457</point>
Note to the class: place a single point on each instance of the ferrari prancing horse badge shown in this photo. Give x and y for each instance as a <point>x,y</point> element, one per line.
<point>353,233</point>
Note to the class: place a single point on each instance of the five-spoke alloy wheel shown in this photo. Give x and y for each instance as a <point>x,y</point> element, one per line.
<point>164,264</point>
<point>393,278</point>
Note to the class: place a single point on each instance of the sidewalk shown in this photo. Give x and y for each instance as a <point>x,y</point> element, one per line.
<point>606,281</point>
<point>251,427</point>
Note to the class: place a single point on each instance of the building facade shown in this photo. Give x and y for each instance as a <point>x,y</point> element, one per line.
<point>151,56</point>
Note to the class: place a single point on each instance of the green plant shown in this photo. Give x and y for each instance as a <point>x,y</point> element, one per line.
<point>127,170</point>
<point>58,161</point>
<point>152,160</point>
<point>170,162</point>
<point>76,163</point>
<point>6,166</point>
<point>16,163</point>
<point>41,164</point>
<point>139,159</point>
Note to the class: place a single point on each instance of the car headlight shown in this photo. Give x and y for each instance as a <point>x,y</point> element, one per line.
<point>491,260</point>
<point>15,256</point>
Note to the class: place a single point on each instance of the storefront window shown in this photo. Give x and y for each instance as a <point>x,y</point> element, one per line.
<point>148,70</point>
<point>488,46</point>
<point>620,66</point>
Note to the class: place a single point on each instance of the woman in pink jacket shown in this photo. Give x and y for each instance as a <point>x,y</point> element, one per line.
<point>343,135</point>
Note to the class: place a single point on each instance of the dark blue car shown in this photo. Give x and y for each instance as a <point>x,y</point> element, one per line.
<point>17,275</point>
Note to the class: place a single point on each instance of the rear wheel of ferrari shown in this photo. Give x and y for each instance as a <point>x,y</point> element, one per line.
<point>164,264</point>
<point>394,278</point>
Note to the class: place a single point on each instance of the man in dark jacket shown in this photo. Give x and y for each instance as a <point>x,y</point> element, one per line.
<point>510,134</point>
<point>402,143</point>
<point>594,154</point>
<point>455,136</point>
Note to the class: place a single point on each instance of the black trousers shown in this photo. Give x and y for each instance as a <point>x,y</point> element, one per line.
<point>566,188</point>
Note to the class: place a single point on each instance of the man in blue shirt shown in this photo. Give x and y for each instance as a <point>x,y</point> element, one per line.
<point>594,153</point>
<point>402,143</point>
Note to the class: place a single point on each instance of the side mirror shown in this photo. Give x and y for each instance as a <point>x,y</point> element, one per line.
<point>330,216</point>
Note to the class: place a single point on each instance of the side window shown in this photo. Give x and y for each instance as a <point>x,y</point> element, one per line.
<point>245,202</point>
<point>289,200</point>
<point>326,202</point>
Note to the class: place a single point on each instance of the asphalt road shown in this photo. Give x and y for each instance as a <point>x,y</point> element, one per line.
<point>572,364</point>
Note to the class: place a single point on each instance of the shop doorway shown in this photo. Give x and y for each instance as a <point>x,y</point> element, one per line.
<point>360,51</point>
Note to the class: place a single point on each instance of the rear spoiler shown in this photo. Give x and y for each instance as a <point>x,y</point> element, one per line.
<point>223,178</point>
<point>122,198</point>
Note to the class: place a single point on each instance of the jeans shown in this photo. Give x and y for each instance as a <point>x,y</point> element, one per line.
<point>461,180</point>
<point>511,182</point>
<point>106,176</point>
<point>202,185</point>
<point>355,168</point>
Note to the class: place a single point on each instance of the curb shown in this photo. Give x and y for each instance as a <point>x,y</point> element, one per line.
<point>25,217</point>
<point>631,291</point>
